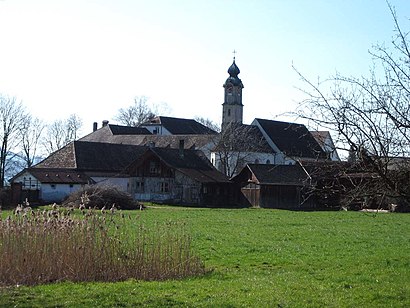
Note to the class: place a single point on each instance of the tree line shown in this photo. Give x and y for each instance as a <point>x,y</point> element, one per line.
<point>24,138</point>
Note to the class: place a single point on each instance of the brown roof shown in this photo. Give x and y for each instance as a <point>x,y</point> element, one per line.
<point>58,176</point>
<point>93,156</point>
<point>171,141</point>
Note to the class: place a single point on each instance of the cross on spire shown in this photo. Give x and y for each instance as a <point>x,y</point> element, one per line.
<point>234,53</point>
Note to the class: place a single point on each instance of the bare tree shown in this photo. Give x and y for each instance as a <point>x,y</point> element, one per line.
<point>30,134</point>
<point>61,132</point>
<point>208,123</point>
<point>74,124</point>
<point>12,117</point>
<point>371,115</point>
<point>137,113</point>
<point>236,145</point>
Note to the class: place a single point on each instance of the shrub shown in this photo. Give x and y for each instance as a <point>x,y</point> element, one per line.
<point>39,247</point>
<point>100,196</point>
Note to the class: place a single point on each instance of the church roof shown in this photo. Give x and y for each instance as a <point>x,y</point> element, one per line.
<point>291,138</point>
<point>233,70</point>
<point>242,138</point>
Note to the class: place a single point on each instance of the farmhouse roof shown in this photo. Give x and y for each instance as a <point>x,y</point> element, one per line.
<point>57,176</point>
<point>128,130</point>
<point>291,138</point>
<point>124,135</point>
<point>93,156</point>
<point>179,126</point>
<point>277,174</point>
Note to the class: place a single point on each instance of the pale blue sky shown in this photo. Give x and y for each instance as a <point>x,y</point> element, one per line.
<point>93,57</point>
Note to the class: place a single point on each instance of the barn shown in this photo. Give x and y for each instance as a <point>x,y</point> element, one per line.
<point>273,186</point>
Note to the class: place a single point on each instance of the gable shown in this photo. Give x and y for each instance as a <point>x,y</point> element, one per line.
<point>191,163</point>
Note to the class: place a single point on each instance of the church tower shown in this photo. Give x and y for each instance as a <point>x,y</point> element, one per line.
<point>232,108</point>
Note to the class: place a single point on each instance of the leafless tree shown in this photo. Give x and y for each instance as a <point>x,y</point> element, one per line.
<point>208,123</point>
<point>61,132</point>
<point>12,117</point>
<point>30,134</point>
<point>137,113</point>
<point>371,115</point>
<point>236,146</point>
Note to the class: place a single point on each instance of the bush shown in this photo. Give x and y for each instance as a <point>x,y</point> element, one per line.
<point>101,196</point>
<point>40,247</point>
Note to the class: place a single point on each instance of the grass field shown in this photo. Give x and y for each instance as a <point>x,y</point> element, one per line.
<point>261,258</point>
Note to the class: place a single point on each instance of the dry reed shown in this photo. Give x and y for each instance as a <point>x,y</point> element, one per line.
<point>38,247</point>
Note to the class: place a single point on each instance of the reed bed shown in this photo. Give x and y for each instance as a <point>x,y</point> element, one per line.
<point>45,246</point>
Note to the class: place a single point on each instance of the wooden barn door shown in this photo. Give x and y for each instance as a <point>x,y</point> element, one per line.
<point>252,193</point>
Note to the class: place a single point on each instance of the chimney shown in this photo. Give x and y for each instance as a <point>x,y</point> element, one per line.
<point>104,123</point>
<point>181,148</point>
<point>95,126</point>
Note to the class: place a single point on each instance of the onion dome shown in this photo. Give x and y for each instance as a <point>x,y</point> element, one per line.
<point>233,78</point>
<point>233,70</point>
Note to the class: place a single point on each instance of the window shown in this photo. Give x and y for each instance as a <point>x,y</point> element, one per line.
<point>53,186</point>
<point>164,187</point>
<point>71,185</point>
<point>229,112</point>
<point>256,161</point>
<point>153,167</point>
<point>267,161</point>
<point>139,187</point>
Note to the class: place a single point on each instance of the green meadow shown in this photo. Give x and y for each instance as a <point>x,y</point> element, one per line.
<point>259,258</point>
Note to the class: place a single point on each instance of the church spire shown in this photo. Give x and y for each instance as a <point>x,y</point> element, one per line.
<point>232,110</point>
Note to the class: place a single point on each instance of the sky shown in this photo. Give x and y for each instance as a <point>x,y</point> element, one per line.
<point>93,57</point>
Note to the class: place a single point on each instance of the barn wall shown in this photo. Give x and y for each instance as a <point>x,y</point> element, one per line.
<point>57,192</point>
<point>271,196</point>
<point>279,196</point>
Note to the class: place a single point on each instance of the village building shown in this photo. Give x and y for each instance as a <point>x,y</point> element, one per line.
<point>274,186</point>
<point>182,161</point>
<point>179,176</point>
<point>264,141</point>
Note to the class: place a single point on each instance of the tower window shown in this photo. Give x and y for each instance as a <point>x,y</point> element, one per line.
<point>229,112</point>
